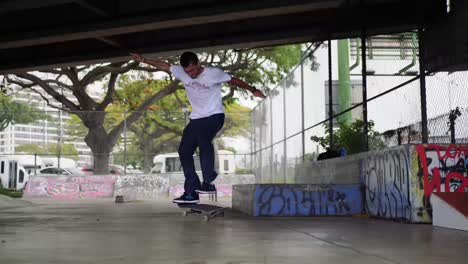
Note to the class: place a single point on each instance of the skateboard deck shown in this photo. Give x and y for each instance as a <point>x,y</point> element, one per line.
<point>207,210</point>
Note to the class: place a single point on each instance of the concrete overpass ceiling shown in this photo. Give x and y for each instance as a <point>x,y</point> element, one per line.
<point>51,33</point>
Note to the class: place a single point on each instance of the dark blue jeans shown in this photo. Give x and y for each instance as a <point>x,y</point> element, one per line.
<point>199,133</point>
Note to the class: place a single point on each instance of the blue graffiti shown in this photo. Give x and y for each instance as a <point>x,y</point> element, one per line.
<point>307,200</point>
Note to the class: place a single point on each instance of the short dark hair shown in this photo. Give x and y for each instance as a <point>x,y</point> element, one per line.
<point>188,58</point>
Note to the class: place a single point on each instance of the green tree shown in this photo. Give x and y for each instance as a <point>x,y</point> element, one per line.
<point>160,128</point>
<point>12,112</point>
<point>67,150</point>
<point>350,136</point>
<point>261,66</point>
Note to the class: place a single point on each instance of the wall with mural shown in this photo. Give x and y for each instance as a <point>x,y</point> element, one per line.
<point>386,179</point>
<point>399,181</point>
<point>438,168</point>
<point>70,187</point>
<point>133,187</point>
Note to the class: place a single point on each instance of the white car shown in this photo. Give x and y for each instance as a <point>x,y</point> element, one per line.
<point>60,171</point>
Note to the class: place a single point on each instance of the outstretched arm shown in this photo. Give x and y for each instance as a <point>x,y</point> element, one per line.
<point>239,83</point>
<point>159,64</point>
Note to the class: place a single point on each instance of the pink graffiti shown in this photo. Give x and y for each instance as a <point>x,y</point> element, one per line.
<point>71,187</point>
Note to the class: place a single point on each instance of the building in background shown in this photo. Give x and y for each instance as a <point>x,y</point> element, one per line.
<point>43,132</point>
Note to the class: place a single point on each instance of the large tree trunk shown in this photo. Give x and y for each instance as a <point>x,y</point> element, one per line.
<point>101,145</point>
<point>101,163</point>
<point>147,163</point>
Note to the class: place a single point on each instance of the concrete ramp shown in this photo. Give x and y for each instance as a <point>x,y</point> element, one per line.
<point>450,210</point>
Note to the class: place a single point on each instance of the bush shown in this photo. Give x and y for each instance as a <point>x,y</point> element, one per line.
<point>11,193</point>
<point>351,137</point>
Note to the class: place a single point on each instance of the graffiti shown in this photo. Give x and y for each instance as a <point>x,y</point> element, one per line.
<point>386,179</point>
<point>141,186</point>
<point>440,169</point>
<point>222,190</point>
<point>307,200</point>
<point>64,187</point>
<point>223,183</point>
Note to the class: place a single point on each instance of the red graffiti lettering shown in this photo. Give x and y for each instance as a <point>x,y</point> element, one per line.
<point>447,166</point>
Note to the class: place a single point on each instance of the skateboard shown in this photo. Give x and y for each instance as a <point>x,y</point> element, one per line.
<point>207,210</point>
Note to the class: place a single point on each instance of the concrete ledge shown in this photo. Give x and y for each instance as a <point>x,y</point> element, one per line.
<point>343,170</point>
<point>297,199</point>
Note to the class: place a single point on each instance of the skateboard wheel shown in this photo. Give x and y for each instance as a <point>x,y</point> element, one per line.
<point>206,218</point>
<point>184,213</point>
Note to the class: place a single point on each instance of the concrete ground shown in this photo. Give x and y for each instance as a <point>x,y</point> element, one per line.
<point>100,231</point>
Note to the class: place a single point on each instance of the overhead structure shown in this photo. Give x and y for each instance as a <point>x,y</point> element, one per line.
<point>51,33</point>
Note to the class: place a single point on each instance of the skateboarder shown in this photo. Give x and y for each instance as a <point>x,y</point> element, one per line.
<point>203,89</point>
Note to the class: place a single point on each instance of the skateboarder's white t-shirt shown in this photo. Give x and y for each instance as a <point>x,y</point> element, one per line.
<point>203,92</point>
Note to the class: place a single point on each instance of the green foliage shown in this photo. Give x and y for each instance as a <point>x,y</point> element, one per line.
<point>11,192</point>
<point>310,156</point>
<point>134,157</point>
<point>350,136</point>
<point>262,66</point>
<point>233,150</point>
<point>52,149</point>
<point>12,112</point>
<point>74,128</point>
<point>243,171</point>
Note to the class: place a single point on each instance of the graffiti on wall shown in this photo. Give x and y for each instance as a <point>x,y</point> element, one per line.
<point>307,200</point>
<point>439,168</point>
<point>64,187</point>
<point>141,186</point>
<point>222,190</point>
<point>386,179</point>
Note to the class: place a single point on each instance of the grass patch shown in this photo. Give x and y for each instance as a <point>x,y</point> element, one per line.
<point>11,193</point>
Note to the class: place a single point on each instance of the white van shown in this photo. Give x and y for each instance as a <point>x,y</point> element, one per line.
<point>29,162</point>
<point>12,175</point>
<point>170,162</point>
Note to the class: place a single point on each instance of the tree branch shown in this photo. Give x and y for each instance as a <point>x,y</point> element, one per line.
<point>48,89</point>
<point>101,71</point>
<point>110,93</point>
<point>53,71</point>
<point>179,101</point>
<point>48,102</point>
<point>59,84</point>
<point>230,94</point>
<point>148,69</point>
<point>170,88</point>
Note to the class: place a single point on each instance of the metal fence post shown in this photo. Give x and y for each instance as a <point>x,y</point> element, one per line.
<point>422,82</point>
<point>284,138</point>
<point>302,110</point>
<point>364,90</point>
<point>125,143</point>
<point>330,94</point>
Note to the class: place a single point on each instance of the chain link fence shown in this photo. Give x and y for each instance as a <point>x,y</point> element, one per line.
<point>59,142</point>
<point>292,125</point>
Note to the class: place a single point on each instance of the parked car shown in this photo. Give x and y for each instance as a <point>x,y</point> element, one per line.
<point>60,171</point>
<point>113,169</point>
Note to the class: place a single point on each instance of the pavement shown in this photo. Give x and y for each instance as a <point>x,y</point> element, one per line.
<point>101,231</point>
